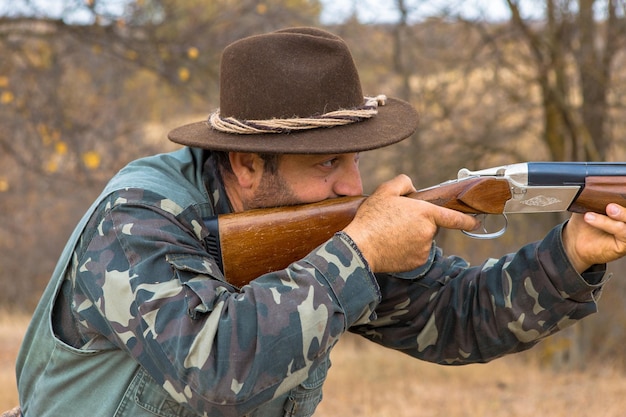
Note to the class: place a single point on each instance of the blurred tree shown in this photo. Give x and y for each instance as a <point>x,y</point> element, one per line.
<point>80,85</point>
<point>573,55</point>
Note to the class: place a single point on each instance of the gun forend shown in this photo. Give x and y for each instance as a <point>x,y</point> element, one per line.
<point>559,186</point>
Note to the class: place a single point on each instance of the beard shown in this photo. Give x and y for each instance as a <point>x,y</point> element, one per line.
<point>273,191</point>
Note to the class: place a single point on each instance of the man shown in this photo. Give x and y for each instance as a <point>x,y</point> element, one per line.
<point>138,319</point>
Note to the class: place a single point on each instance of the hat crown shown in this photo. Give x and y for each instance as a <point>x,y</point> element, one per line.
<point>295,75</point>
<point>299,72</point>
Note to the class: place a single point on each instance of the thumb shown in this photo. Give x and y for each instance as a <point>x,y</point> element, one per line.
<point>398,186</point>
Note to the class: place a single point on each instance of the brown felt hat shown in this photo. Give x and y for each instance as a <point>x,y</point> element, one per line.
<point>296,73</point>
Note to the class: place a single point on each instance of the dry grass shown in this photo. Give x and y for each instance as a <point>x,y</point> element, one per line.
<point>12,328</point>
<point>366,380</point>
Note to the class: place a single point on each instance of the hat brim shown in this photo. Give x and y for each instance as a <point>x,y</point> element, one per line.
<point>395,121</point>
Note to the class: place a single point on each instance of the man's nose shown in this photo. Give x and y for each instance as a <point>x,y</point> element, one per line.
<point>350,183</point>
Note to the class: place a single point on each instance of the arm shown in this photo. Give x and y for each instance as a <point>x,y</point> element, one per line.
<point>451,313</point>
<point>145,283</point>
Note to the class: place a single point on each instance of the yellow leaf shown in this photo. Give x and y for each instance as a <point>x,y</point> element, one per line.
<point>91,159</point>
<point>4,185</point>
<point>4,81</point>
<point>261,8</point>
<point>183,74</point>
<point>6,97</point>
<point>193,52</point>
<point>60,148</point>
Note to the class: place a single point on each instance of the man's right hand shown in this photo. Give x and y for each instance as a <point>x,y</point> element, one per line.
<point>395,233</point>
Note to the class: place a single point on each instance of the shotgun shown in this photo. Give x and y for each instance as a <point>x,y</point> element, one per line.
<point>249,244</point>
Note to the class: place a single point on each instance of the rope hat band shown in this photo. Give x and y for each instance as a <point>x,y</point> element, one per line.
<point>275,125</point>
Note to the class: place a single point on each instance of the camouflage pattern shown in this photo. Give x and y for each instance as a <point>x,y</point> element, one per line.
<point>141,281</point>
<point>450,313</point>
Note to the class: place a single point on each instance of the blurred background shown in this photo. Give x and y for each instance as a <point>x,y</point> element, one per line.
<point>88,85</point>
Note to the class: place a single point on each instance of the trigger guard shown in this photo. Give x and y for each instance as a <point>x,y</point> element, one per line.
<point>493,235</point>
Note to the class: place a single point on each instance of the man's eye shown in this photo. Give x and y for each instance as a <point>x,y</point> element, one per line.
<point>329,163</point>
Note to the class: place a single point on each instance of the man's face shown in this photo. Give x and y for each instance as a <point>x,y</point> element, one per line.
<point>308,179</point>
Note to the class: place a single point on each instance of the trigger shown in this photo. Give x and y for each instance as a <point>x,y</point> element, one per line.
<point>485,234</point>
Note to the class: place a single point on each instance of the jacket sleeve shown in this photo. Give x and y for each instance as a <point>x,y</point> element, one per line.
<point>145,283</point>
<point>449,313</point>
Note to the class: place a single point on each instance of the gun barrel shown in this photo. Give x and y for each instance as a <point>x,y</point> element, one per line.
<point>571,173</point>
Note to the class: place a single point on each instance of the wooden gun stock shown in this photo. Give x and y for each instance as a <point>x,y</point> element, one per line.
<point>256,242</point>
<point>480,195</point>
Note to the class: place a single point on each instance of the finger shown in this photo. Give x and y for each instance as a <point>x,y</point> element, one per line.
<point>452,219</point>
<point>613,225</point>
<point>616,212</point>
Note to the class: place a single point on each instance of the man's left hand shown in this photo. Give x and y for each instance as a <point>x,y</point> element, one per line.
<point>593,238</point>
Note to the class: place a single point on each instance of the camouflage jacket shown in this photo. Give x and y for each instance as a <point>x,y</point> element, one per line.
<point>141,281</point>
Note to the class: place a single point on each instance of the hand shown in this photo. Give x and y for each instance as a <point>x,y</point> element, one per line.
<point>593,238</point>
<point>395,233</point>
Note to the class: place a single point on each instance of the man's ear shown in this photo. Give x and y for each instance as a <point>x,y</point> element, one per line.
<point>247,167</point>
